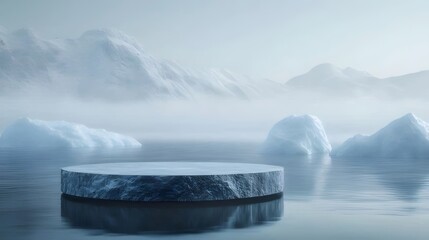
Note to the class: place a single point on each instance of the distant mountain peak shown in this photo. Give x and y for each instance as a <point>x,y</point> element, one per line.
<point>331,70</point>
<point>325,66</point>
<point>105,33</point>
<point>325,69</point>
<point>328,78</point>
<point>113,37</point>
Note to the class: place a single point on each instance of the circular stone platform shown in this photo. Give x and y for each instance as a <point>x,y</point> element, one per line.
<point>172,181</point>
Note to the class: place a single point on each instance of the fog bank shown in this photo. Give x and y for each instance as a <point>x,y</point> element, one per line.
<point>212,119</point>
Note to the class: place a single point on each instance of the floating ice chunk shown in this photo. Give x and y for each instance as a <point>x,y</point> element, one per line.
<point>297,135</point>
<point>31,133</point>
<point>405,137</point>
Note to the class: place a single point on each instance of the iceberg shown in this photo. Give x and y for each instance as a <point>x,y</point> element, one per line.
<point>405,137</point>
<point>297,135</point>
<point>32,133</point>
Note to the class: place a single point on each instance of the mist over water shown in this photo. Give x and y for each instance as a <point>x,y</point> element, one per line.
<point>105,79</point>
<point>215,118</point>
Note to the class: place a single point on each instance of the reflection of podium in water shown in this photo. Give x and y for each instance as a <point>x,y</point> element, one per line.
<point>134,217</point>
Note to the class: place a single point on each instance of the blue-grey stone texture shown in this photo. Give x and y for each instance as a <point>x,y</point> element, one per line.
<point>172,181</point>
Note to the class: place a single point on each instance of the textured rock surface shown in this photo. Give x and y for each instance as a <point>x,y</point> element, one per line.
<point>172,181</point>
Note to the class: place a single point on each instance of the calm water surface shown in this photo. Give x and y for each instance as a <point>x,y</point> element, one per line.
<point>324,198</point>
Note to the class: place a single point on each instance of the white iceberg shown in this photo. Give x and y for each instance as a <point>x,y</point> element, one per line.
<point>31,133</point>
<point>405,137</point>
<point>297,135</point>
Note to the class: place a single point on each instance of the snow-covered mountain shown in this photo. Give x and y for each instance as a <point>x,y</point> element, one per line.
<point>332,80</point>
<point>109,64</point>
<point>328,79</point>
<point>327,75</point>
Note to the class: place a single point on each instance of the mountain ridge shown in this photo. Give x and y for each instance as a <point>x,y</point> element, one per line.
<point>109,64</point>
<point>104,63</point>
<point>325,77</point>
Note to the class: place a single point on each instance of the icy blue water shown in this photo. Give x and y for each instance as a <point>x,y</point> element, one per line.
<point>324,198</point>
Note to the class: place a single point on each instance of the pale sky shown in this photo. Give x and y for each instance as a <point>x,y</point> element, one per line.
<point>263,39</point>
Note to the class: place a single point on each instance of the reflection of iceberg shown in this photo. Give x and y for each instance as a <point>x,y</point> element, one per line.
<point>134,218</point>
<point>402,178</point>
<point>304,175</point>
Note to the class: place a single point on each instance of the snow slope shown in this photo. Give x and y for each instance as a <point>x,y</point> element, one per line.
<point>413,84</point>
<point>329,79</point>
<point>297,135</point>
<point>109,64</point>
<point>31,133</point>
<point>405,137</point>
